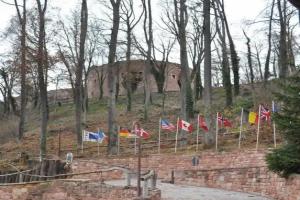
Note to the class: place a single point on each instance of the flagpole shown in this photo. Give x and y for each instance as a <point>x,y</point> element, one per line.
<point>82,136</point>
<point>118,140</point>
<point>135,145</point>
<point>197,135</point>
<point>241,127</point>
<point>98,143</point>
<point>258,126</point>
<point>217,130</point>
<point>159,130</point>
<point>176,135</point>
<point>274,126</point>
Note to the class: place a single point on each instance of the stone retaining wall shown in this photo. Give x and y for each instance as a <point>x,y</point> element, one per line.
<point>236,171</point>
<point>60,190</point>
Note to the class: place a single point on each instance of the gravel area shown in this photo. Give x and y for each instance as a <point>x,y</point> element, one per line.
<point>183,192</point>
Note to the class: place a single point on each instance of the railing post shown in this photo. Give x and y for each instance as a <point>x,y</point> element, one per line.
<point>145,188</point>
<point>128,179</point>
<point>20,178</point>
<point>153,181</point>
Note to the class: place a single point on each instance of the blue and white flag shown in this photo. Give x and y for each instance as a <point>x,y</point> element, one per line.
<point>93,137</point>
<point>274,107</point>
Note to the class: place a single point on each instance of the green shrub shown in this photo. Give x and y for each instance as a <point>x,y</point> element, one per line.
<point>286,159</point>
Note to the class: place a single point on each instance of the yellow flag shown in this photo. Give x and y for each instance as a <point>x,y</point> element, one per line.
<point>252,117</point>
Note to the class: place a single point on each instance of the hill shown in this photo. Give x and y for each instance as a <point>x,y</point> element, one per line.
<point>61,122</point>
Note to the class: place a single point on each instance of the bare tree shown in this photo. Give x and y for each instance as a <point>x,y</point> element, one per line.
<point>249,57</point>
<point>176,23</point>
<point>196,50</point>
<point>257,55</point>
<point>112,128</point>
<point>22,21</point>
<point>233,53</point>
<point>225,61</point>
<point>282,60</point>
<point>148,32</point>
<point>267,62</point>
<point>79,71</point>
<point>128,15</point>
<point>8,75</point>
<point>42,77</point>
<point>208,138</point>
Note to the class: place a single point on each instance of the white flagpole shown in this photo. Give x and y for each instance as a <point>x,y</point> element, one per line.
<point>274,126</point>
<point>98,143</point>
<point>82,141</point>
<point>197,134</point>
<point>135,150</point>
<point>217,130</point>
<point>258,127</point>
<point>118,140</point>
<point>176,135</point>
<point>241,127</point>
<point>159,130</point>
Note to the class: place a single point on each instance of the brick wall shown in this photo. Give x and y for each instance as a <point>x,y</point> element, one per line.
<point>236,171</point>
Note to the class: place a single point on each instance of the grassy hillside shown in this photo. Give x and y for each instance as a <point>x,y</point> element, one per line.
<point>62,121</point>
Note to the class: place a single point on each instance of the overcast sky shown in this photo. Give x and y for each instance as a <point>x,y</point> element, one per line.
<point>237,12</point>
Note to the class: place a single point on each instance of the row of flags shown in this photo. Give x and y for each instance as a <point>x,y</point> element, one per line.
<point>265,115</point>
<point>188,127</point>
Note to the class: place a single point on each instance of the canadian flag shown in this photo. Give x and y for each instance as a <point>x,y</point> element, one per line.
<point>185,126</point>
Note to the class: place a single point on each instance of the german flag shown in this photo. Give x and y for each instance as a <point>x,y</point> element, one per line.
<point>124,132</point>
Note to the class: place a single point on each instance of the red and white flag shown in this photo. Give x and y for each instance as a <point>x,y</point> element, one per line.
<point>223,121</point>
<point>265,113</point>
<point>202,123</point>
<point>142,133</point>
<point>186,126</point>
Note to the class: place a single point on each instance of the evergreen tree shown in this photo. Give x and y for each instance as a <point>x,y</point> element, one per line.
<point>286,159</point>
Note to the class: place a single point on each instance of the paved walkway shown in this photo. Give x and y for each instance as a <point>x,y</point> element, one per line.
<point>181,192</point>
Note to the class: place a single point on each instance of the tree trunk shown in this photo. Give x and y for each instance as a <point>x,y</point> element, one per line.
<point>282,60</point>
<point>234,57</point>
<point>209,137</point>
<point>79,72</point>
<point>128,77</point>
<point>225,60</point>
<point>259,63</point>
<point>148,32</point>
<point>22,21</point>
<point>249,56</point>
<point>267,63</point>
<point>112,127</point>
<point>41,78</point>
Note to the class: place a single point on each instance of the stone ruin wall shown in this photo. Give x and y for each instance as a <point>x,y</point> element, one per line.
<point>136,66</point>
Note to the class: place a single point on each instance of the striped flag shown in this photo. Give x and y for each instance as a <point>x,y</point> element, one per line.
<point>166,125</point>
<point>124,132</point>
